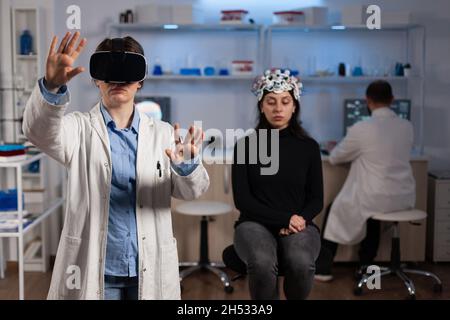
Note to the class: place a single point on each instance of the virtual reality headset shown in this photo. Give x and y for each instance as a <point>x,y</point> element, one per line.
<point>117,65</point>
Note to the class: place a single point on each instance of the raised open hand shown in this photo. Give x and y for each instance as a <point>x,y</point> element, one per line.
<point>189,147</point>
<point>59,68</point>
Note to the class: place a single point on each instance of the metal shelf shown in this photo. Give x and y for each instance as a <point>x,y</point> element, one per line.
<point>350,80</point>
<point>40,211</point>
<point>307,79</point>
<point>340,28</point>
<point>31,175</point>
<point>21,163</point>
<point>184,27</point>
<point>200,78</point>
<point>27,57</point>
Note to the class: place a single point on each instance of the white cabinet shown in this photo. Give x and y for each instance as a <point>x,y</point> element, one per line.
<point>438,229</point>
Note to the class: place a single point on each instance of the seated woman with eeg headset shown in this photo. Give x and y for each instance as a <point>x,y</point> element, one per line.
<point>275,230</point>
<point>123,167</point>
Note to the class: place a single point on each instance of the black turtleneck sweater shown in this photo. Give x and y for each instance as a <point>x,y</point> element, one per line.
<point>297,187</point>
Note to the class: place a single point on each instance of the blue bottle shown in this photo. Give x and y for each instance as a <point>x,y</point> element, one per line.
<point>26,43</point>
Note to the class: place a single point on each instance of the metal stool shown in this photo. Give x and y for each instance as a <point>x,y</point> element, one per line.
<point>205,209</point>
<point>396,268</point>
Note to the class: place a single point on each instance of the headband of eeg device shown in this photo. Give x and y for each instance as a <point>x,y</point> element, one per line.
<point>118,65</point>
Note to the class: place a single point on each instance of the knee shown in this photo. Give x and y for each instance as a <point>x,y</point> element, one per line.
<point>262,264</point>
<point>299,264</point>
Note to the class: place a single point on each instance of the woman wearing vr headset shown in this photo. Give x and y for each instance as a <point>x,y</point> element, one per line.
<point>275,233</point>
<point>123,167</point>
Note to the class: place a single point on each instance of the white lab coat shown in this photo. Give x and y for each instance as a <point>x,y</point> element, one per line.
<point>380,177</point>
<point>80,142</point>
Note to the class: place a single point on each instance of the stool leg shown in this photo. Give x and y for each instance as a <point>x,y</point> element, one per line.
<point>408,283</point>
<point>217,264</point>
<point>424,273</point>
<point>395,248</point>
<point>186,272</point>
<point>188,264</point>
<point>204,254</point>
<point>223,277</point>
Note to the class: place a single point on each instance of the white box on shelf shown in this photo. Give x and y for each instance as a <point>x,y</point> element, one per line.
<point>241,67</point>
<point>153,13</point>
<point>401,18</point>
<point>315,16</point>
<point>354,15</point>
<point>186,14</point>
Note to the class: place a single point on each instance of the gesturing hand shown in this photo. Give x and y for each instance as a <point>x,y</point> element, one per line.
<point>189,147</point>
<point>59,68</point>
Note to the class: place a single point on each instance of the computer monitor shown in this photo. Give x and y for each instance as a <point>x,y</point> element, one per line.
<point>356,110</point>
<point>156,107</point>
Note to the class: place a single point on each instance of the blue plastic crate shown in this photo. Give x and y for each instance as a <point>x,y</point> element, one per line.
<point>8,200</point>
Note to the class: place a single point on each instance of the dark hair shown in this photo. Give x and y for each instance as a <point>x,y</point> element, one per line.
<point>129,44</point>
<point>380,91</point>
<point>294,126</point>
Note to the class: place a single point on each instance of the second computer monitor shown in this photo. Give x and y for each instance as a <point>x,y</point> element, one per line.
<point>356,110</point>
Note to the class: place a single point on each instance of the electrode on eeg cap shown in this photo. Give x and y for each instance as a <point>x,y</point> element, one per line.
<point>118,65</point>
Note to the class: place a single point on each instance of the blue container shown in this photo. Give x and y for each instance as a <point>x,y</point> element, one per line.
<point>34,167</point>
<point>8,200</point>
<point>357,72</point>
<point>190,72</point>
<point>157,70</point>
<point>26,43</point>
<point>209,71</point>
<point>224,72</point>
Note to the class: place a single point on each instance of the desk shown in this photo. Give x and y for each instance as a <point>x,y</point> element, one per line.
<point>221,228</point>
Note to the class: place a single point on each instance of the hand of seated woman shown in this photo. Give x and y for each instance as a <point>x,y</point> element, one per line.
<point>296,224</point>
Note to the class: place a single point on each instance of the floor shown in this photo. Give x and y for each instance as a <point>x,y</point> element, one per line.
<point>203,285</point>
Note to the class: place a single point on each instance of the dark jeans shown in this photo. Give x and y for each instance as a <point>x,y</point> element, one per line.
<point>260,249</point>
<point>121,288</point>
<point>367,250</point>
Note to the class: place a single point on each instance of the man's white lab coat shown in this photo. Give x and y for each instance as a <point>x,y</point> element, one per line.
<point>380,177</point>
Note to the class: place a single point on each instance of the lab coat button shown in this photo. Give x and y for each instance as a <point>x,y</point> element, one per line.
<point>141,206</point>
<point>145,269</point>
<point>106,164</point>
<point>143,238</point>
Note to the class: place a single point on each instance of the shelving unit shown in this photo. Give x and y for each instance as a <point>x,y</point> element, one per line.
<point>117,29</point>
<point>26,68</point>
<point>38,213</point>
<point>414,83</point>
<point>412,87</point>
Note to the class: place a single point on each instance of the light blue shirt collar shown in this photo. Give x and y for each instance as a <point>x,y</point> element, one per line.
<point>108,119</point>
